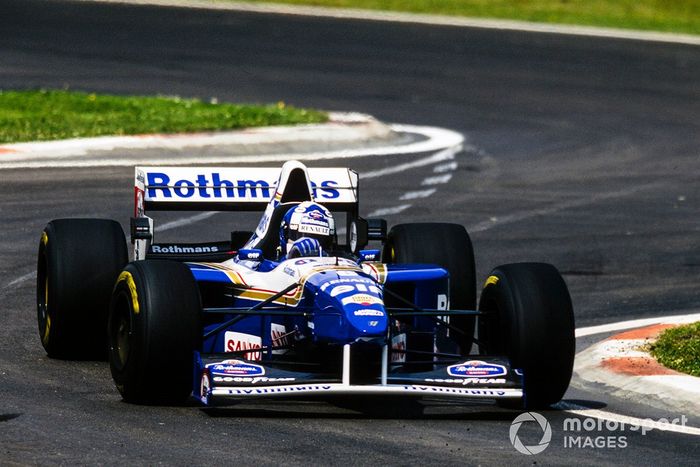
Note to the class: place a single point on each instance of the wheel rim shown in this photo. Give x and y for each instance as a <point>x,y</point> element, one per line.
<point>120,332</point>
<point>42,295</point>
<point>123,333</point>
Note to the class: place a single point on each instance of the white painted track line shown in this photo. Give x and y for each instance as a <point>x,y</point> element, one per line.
<point>417,194</point>
<point>647,423</point>
<point>636,323</point>
<point>415,18</point>
<point>437,180</point>
<point>72,153</point>
<point>20,280</point>
<point>186,221</point>
<point>389,211</point>
<point>446,167</point>
<point>446,154</point>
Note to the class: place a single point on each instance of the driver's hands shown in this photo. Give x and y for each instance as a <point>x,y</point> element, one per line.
<point>304,247</point>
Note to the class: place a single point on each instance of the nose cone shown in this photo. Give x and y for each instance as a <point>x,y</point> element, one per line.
<point>350,316</point>
<point>350,308</point>
<point>365,314</point>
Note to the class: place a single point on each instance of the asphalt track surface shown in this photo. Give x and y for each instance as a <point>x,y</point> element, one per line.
<point>585,155</point>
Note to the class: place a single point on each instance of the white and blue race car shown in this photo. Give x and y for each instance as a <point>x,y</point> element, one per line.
<point>251,317</point>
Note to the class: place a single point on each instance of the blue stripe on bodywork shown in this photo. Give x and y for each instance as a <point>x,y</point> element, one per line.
<point>202,272</point>
<point>414,272</point>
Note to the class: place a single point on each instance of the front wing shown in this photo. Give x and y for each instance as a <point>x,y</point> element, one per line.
<point>220,379</point>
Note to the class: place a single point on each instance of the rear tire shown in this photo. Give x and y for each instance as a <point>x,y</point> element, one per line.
<point>448,246</point>
<point>155,324</point>
<point>529,318</point>
<point>78,262</point>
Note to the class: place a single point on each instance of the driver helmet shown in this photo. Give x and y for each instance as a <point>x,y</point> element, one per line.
<point>310,220</point>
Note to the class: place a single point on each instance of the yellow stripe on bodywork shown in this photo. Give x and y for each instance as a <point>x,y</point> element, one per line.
<point>293,300</point>
<point>233,276</point>
<point>376,269</point>
<point>259,295</point>
<point>126,276</point>
<point>44,238</point>
<point>492,280</point>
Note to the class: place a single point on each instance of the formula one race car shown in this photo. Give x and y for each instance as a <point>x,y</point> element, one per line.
<point>293,308</point>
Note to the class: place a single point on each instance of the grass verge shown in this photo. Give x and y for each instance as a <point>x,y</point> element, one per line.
<point>681,16</point>
<point>49,115</point>
<point>679,349</point>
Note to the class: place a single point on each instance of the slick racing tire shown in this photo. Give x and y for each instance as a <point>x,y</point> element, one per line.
<point>448,246</point>
<point>529,318</point>
<point>78,262</point>
<point>155,324</point>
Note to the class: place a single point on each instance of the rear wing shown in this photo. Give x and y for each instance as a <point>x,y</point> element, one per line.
<point>234,188</point>
<point>238,189</point>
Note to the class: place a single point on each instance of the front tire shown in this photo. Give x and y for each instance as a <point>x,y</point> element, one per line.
<point>528,317</point>
<point>155,324</point>
<point>77,264</point>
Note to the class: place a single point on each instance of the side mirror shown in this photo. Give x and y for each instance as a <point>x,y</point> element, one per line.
<point>357,235</point>
<point>376,229</point>
<point>361,231</point>
<point>141,228</point>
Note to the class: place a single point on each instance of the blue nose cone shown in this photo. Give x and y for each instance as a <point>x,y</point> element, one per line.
<point>349,307</point>
<point>365,315</point>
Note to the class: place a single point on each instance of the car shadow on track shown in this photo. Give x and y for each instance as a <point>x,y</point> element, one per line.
<point>349,408</point>
<point>9,416</point>
<point>376,408</point>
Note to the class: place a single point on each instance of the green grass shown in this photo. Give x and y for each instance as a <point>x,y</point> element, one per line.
<point>679,349</point>
<point>681,16</point>
<point>48,115</point>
